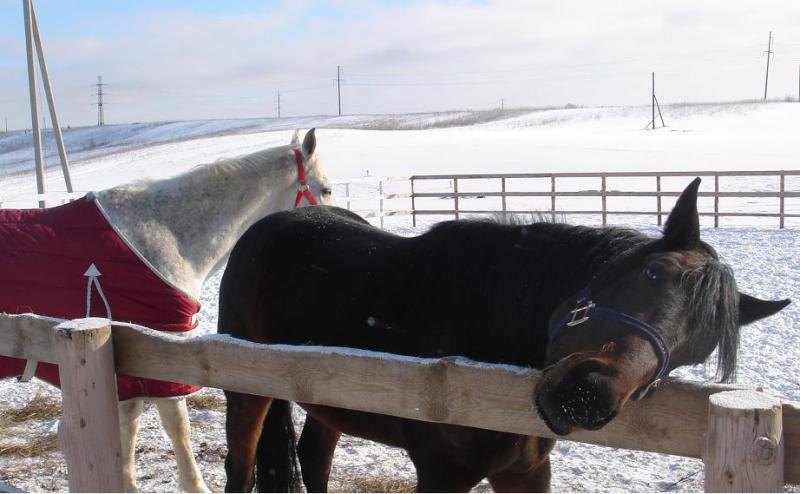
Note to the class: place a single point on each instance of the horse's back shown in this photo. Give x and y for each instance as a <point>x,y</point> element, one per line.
<point>293,273</point>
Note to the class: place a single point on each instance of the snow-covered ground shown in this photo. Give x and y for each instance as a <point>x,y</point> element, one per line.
<point>700,137</point>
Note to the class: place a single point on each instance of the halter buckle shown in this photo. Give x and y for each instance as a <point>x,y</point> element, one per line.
<point>645,392</point>
<point>303,187</point>
<point>580,314</point>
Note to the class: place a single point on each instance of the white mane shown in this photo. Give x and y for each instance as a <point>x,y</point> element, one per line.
<point>186,225</point>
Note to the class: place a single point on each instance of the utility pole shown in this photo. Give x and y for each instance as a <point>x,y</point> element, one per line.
<point>100,117</point>
<point>51,102</point>
<point>653,102</point>
<point>279,104</point>
<point>339,86</point>
<point>502,104</point>
<point>654,106</point>
<point>33,90</point>
<point>769,54</point>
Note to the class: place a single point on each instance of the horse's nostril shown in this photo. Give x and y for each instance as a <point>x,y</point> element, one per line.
<point>583,397</point>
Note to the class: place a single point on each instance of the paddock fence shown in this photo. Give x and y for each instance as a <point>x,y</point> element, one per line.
<point>749,441</point>
<point>771,197</point>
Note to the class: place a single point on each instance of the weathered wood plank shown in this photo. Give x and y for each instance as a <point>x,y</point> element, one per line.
<point>791,438</point>
<point>441,390</point>
<point>744,449</point>
<point>27,336</point>
<point>451,390</point>
<point>89,434</point>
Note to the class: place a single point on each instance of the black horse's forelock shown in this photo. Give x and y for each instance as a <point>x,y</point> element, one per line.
<point>713,315</point>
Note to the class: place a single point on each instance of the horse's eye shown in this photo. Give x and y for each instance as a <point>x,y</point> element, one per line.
<point>651,274</point>
<point>327,191</point>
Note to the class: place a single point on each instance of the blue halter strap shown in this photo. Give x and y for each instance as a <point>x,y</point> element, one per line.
<point>585,310</point>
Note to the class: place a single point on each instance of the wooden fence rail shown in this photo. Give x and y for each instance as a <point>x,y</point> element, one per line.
<point>448,390</point>
<point>456,193</point>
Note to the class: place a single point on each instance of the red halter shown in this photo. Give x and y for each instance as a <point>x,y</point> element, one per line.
<point>303,190</point>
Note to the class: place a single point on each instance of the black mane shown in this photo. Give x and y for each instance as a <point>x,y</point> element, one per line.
<point>500,260</point>
<point>526,271</point>
<point>478,289</point>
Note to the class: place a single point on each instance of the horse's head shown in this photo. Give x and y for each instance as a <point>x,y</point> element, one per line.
<point>309,184</point>
<point>663,304</point>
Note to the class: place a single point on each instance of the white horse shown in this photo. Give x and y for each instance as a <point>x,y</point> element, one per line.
<point>185,228</point>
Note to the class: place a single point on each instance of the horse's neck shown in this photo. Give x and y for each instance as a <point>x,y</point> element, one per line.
<point>533,270</point>
<point>571,256</point>
<point>186,226</point>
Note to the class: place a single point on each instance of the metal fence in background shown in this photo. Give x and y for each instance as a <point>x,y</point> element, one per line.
<point>602,191</point>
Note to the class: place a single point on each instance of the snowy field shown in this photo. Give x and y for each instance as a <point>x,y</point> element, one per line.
<point>701,137</point>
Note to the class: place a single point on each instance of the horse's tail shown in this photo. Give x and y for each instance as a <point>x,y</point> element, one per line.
<point>277,469</point>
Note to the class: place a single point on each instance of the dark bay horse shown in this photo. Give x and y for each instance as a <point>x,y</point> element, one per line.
<point>606,312</point>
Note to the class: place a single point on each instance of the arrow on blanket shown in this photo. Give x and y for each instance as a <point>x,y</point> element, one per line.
<point>93,274</point>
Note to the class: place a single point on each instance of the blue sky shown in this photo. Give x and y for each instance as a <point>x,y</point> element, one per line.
<point>169,60</point>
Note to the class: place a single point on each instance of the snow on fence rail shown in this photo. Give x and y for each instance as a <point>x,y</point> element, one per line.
<point>471,194</point>
<point>748,440</point>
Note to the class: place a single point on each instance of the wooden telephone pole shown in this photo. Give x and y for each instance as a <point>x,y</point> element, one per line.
<point>654,106</point>
<point>769,53</point>
<point>33,44</point>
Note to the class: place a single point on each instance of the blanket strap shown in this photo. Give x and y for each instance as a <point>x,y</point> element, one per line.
<point>30,370</point>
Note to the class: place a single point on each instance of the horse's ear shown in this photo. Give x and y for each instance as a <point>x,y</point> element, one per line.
<point>295,139</point>
<point>309,143</point>
<point>751,309</point>
<point>683,224</point>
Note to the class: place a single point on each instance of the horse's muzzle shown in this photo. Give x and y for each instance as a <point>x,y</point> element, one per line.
<point>581,394</point>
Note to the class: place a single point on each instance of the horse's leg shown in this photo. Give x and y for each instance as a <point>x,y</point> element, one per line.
<point>244,420</point>
<point>130,412</point>
<point>534,480</point>
<point>175,419</point>
<point>435,474</point>
<point>315,452</point>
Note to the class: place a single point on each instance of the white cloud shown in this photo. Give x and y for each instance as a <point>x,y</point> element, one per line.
<point>174,64</point>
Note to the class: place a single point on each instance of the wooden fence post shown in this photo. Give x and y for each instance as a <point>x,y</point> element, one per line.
<point>502,195</point>
<point>455,196</point>
<point>413,205</point>
<point>603,192</point>
<point>783,199</point>
<point>744,447</point>
<point>716,200</point>
<point>658,198</point>
<point>89,433</point>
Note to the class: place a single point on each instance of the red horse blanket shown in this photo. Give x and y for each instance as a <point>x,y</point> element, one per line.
<point>69,262</point>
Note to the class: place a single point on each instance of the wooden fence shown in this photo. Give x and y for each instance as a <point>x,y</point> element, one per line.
<point>749,441</point>
<point>457,194</point>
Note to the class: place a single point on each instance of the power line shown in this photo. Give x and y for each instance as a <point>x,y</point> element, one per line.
<point>542,77</point>
<point>537,68</point>
<point>100,117</point>
<point>339,87</point>
<point>769,54</point>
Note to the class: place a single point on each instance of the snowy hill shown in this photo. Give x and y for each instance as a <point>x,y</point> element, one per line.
<point>698,137</point>
<point>87,142</point>
<point>720,136</point>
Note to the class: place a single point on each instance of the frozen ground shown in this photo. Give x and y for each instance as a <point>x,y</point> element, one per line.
<point>722,137</point>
